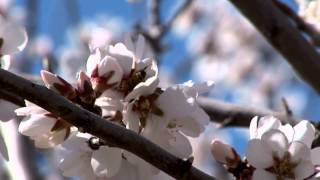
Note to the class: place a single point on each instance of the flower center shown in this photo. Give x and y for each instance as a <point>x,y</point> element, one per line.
<point>128,84</point>
<point>145,105</point>
<point>283,168</point>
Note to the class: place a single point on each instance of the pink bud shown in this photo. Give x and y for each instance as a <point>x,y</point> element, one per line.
<point>57,84</point>
<point>83,81</point>
<point>225,154</point>
<point>85,90</point>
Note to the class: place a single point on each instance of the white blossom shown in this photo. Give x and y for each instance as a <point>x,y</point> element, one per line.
<point>276,158</point>
<point>282,151</point>
<point>75,157</point>
<point>13,38</point>
<point>78,158</point>
<point>41,126</point>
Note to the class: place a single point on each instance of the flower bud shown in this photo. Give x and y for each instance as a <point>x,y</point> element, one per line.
<point>224,154</point>
<point>57,84</point>
<point>85,90</point>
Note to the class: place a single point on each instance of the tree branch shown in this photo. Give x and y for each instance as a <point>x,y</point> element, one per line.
<point>95,125</point>
<point>235,115</point>
<point>300,22</point>
<point>283,36</point>
<point>166,27</point>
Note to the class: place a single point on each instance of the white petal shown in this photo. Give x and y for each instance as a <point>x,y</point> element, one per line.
<point>109,103</point>
<point>93,61</point>
<point>304,170</point>
<point>299,152</point>
<point>5,62</point>
<point>315,156</point>
<point>266,123</point>
<point>277,141</point>
<point>143,89</point>
<point>259,154</point>
<point>178,111</point>
<point>131,119</point>
<point>77,142</point>
<point>123,56</point>
<point>75,164</point>
<point>261,174</point>
<point>193,90</point>
<point>51,139</point>
<point>253,128</point>
<point>288,131</point>
<point>14,38</point>
<point>304,131</point>
<point>106,161</point>
<point>50,79</point>
<point>29,110</point>
<point>36,125</point>
<point>181,146</point>
<point>108,64</point>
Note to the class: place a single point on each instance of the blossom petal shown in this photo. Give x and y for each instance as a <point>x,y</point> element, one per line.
<point>106,161</point>
<point>181,145</point>
<point>261,125</point>
<point>36,125</point>
<point>29,110</point>
<point>108,64</point>
<point>143,88</point>
<point>14,38</point>
<point>93,61</point>
<point>261,174</point>
<point>131,119</point>
<point>299,152</point>
<point>277,141</point>
<point>288,131</point>
<point>304,170</point>
<point>259,154</point>
<point>304,132</point>
<point>123,56</point>
<point>315,156</point>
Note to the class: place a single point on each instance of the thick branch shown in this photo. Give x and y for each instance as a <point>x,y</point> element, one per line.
<point>97,126</point>
<point>284,36</point>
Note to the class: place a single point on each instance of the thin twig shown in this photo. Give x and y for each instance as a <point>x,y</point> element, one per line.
<point>166,27</point>
<point>236,115</point>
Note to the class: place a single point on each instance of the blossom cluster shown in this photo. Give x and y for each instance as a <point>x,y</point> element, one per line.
<point>275,151</point>
<point>120,84</point>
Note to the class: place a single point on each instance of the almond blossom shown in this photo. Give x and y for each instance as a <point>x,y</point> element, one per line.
<point>78,157</point>
<point>41,126</point>
<point>281,151</point>
<point>167,117</point>
<point>275,158</point>
<point>13,38</point>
